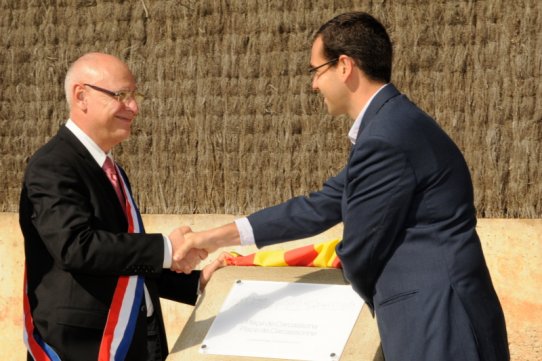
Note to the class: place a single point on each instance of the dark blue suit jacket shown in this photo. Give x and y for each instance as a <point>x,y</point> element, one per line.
<point>410,247</point>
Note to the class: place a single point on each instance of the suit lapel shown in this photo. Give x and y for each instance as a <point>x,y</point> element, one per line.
<point>99,178</point>
<point>387,93</point>
<point>71,140</point>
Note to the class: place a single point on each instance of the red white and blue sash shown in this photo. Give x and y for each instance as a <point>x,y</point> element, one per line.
<point>124,309</point>
<point>123,312</point>
<point>38,349</point>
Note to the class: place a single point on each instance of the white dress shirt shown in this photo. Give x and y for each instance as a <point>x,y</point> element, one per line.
<point>99,156</point>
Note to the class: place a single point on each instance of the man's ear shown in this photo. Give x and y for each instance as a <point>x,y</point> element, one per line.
<point>346,66</point>
<point>79,98</point>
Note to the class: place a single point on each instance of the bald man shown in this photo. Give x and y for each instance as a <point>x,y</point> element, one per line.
<point>93,276</point>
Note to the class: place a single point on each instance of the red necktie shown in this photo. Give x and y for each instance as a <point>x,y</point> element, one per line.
<point>111,172</point>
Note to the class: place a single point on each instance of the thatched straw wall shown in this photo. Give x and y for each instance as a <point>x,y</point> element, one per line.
<point>230,123</point>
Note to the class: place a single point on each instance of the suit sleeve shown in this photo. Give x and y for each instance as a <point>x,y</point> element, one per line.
<point>179,287</point>
<point>381,185</point>
<point>80,230</point>
<point>300,217</point>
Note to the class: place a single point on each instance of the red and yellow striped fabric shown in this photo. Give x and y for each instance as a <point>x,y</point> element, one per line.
<point>313,255</point>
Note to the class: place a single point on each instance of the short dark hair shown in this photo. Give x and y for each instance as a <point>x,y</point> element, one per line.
<point>361,37</point>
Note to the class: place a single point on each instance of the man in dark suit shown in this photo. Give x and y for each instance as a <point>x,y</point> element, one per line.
<point>409,247</point>
<point>93,277</point>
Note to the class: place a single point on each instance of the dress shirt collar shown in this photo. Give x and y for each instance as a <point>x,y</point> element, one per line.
<point>353,133</point>
<point>97,153</point>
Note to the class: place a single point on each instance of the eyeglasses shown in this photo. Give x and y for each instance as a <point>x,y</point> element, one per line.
<point>312,70</point>
<point>122,96</point>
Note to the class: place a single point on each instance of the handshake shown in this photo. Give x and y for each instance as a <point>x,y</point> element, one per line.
<point>189,248</point>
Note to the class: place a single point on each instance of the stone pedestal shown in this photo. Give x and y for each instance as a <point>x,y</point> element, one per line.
<point>363,344</point>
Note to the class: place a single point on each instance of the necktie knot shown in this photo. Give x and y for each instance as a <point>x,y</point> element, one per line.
<point>110,170</point>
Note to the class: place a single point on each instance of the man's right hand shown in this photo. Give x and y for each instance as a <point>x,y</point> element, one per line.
<point>185,256</point>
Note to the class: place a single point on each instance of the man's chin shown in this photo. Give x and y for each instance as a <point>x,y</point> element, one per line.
<point>330,110</point>
<point>123,133</point>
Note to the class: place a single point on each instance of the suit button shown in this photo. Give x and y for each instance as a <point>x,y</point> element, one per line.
<point>143,309</point>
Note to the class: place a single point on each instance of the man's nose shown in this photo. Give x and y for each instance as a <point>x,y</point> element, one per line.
<point>132,105</point>
<point>314,82</point>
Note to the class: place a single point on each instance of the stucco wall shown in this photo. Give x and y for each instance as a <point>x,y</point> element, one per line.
<point>513,249</point>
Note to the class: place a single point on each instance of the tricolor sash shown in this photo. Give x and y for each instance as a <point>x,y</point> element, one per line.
<point>123,312</point>
<point>37,348</point>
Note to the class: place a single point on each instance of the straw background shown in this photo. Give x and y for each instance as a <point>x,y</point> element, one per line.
<point>229,123</point>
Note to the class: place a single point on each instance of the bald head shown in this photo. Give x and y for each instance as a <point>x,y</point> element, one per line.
<point>92,85</point>
<point>91,68</point>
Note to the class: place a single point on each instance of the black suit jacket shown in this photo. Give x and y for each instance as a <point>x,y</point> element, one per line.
<point>76,246</point>
<point>410,247</point>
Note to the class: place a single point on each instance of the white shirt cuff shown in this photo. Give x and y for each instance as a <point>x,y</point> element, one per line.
<point>245,231</point>
<point>168,253</point>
